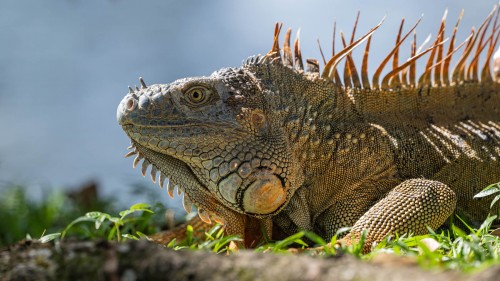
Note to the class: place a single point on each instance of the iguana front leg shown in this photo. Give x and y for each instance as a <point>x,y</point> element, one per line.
<point>410,207</point>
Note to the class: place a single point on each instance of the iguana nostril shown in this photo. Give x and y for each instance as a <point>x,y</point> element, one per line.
<point>131,104</point>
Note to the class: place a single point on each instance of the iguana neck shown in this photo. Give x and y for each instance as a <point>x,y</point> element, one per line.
<point>315,116</point>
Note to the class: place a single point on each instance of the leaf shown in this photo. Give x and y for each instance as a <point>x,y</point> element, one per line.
<point>143,236</point>
<point>458,232</point>
<point>130,211</point>
<point>490,189</point>
<point>130,236</point>
<point>315,238</point>
<point>413,241</point>
<point>145,210</point>
<point>288,241</point>
<point>301,242</point>
<point>140,206</point>
<point>95,215</point>
<point>172,243</point>
<point>125,213</point>
<point>359,245</point>
<point>100,220</point>
<point>49,237</point>
<point>494,201</point>
<point>77,220</point>
<point>223,242</point>
<point>213,231</point>
<point>466,225</point>
<point>115,220</point>
<point>487,223</point>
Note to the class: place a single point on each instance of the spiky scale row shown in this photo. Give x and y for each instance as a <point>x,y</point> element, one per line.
<point>187,203</point>
<point>331,65</point>
<point>350,73</point>
<point>436,71</point>
<point>392,54</point>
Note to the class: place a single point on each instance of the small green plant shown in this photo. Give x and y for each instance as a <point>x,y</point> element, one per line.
<point>115,226</point>
<point>213,240</point>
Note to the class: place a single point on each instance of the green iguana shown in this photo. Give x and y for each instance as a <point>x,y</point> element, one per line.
<point>270,146</point>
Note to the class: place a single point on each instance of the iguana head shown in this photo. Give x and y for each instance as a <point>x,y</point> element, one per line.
<point>226,134</point>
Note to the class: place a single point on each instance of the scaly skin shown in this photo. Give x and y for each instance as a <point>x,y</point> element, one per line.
<point>267,145</point>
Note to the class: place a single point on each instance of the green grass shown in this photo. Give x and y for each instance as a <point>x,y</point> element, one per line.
<point>466,249</point>
<point>448,249</point>
<point>22,217</point>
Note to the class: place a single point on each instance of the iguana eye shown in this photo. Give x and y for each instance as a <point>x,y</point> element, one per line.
<point>198,95</point>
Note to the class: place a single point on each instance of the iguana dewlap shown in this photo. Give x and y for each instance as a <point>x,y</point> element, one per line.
<point>270,146</point>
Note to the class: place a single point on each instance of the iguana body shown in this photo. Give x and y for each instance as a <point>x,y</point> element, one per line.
<point>269,145</point>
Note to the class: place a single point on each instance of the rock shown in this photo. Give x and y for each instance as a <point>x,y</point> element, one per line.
<point>142,260</point>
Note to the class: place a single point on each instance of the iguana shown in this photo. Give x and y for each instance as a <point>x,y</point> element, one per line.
<point>269,145</point>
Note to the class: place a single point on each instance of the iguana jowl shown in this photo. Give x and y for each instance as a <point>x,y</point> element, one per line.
<point>270,145</point>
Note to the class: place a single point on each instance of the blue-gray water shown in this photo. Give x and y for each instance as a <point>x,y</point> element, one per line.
<point>65,65</point>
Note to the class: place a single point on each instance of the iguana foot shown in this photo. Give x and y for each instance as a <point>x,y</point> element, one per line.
<point>410,207</point>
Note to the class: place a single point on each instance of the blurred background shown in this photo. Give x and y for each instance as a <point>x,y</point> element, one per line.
<point>66,64</point>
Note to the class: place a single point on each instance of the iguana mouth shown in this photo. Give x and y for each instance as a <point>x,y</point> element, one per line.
<point>166,177</point>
